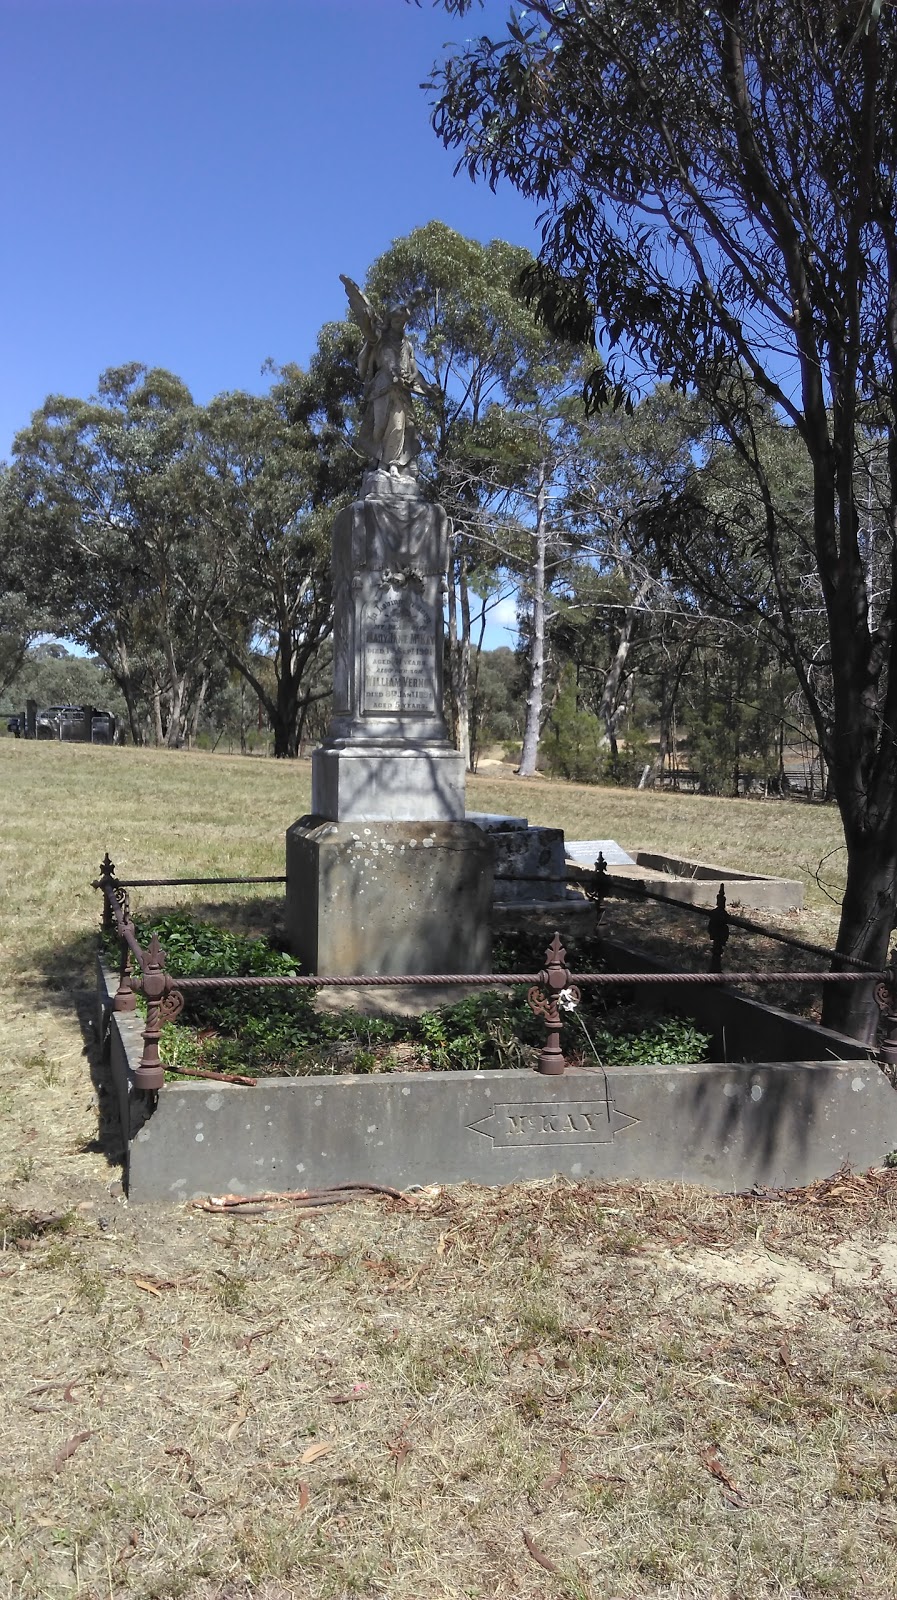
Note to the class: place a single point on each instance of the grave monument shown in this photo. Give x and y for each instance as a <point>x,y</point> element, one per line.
<point>385,875</point>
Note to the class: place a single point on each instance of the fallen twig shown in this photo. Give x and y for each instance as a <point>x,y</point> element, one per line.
<point>711,1460</point>
<point>214,1077</point>
<point>554,1478</point>
<point>68,1449</point>
<point>539,1555</point>
<point>310,1198</point>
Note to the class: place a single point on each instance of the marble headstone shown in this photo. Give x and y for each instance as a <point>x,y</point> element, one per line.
<point>387,756</point>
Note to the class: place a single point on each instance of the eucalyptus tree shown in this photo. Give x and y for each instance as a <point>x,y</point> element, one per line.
<point>21,618</point>
<point>631,461</point>
<point>530,453</point>
<point>277,468</point>
<point>718,185</point>
<point>104,497</point>
<point>485,357</point>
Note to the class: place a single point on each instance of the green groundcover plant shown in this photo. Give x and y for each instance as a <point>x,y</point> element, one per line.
<point>267,1032</point>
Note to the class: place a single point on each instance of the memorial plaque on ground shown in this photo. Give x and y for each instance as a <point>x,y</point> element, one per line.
<point>585,852</point>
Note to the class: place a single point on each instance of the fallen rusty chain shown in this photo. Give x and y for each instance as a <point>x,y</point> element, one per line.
<point>213,1077</point>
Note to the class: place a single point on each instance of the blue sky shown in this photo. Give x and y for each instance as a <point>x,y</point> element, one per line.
<point>184,180</point>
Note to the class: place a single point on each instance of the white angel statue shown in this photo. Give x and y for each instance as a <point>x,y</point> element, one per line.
<point>386,363</point>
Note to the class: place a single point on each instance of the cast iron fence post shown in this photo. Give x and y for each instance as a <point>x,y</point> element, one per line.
<point>545,1000</point>
<point>124,998</point>
<point>718,929</point>
<point>163,1003</point>
<point>106,882</point>
<point>598,891</point>
<point>886,999</point>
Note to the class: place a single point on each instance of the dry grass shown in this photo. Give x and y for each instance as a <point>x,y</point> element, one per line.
<point>670,1394</point>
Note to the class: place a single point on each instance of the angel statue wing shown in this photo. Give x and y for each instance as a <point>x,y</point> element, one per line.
<point>361,305</point>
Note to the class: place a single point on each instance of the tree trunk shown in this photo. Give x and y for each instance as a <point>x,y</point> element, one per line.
<point>867,918</point>
<point>196,713</point>
<point>158,730</point>
<point>127,689</point>
<point>119,664</point>
<point>463,684</point>
<point>655,766</point>
<point>451,658</point>
<point>533,725</point>
<point>284,712</point>
<point>608,709</point>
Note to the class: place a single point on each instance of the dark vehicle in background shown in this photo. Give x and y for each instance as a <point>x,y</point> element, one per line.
<point>75,723</point>
<point>47,722</point>
<point>72,724</point>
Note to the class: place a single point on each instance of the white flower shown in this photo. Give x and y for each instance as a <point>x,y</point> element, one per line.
<point>568,1000</point>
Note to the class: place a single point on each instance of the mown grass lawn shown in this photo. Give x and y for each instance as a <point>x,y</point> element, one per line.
<point>600,1392</point>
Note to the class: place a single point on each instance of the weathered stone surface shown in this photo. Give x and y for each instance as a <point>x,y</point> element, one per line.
<point>389,897</point>
<point>585,852</point>
<point>370,783</point>
<point>698,882</point>
<point>387,756</point>
<point>530,863</point>
<point>495,821</point>
<point>725,1126</point>
<point>386,363</point>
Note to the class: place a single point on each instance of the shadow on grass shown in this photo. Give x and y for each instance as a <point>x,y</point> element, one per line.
<point>60,974</point>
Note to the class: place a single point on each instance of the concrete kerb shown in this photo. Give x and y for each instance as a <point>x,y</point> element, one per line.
<point>727,1126</point>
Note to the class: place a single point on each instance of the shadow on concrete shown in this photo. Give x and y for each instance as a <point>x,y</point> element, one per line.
<point>772,1110</point>
<point>60,977</point>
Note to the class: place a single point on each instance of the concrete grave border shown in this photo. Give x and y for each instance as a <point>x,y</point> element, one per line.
<point>726,1126</point>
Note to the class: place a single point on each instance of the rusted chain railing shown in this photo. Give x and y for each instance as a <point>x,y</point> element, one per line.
<point>173,883</point>
<point>720,920</point>
<point>552,992</point>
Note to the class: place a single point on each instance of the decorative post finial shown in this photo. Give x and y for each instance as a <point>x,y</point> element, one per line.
<point>105,882</point>
<point>718,929</point>
<point>598,890</point>
<point>546,998</point>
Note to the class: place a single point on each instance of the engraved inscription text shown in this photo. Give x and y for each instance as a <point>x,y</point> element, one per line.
<point>400,656</point>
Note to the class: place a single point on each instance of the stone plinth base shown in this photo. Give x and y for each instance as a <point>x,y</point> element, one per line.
<point>358,783</point>
<point>530,863</point>
<point>389,897</point>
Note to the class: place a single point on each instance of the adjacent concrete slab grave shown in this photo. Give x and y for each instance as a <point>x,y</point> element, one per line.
<point>585,852</point>
<point>697,882</point>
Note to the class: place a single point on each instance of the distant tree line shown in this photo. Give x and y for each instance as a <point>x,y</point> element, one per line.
<point>185,549</point>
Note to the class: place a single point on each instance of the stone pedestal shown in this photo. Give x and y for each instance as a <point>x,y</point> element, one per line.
<point>367,782</point>
<point>389,897</point>
<point>530,863</point>
<point>385,876</point>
